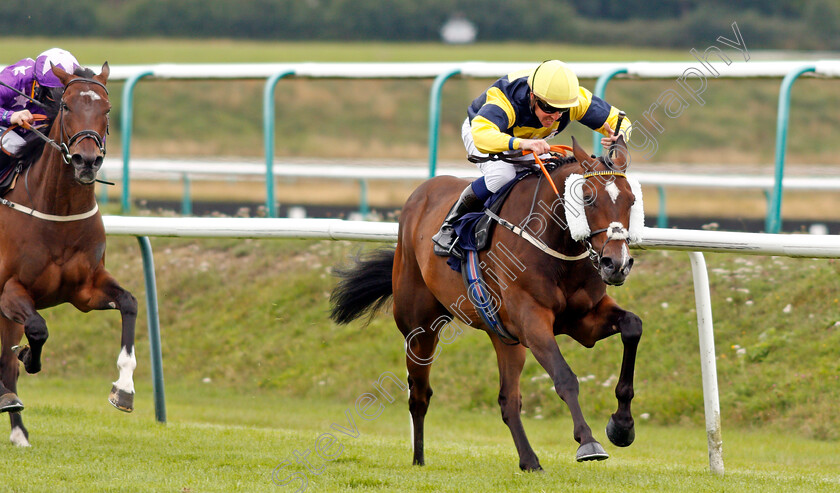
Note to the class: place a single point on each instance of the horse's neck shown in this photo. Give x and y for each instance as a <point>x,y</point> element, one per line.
<point>550,221</point>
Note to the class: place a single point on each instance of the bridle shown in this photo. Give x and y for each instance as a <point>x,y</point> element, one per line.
<point>613,232</point>
<point>619,231</point>
<point>98,139</point>
<point>64,147</point>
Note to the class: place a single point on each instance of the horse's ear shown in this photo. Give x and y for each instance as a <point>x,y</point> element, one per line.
<point>620,156</point>
<point>59,72</point>
<point>103,74</point>
<point>581,155</point>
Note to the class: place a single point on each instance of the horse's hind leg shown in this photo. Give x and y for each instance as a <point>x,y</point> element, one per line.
<point>19,307</point>
<point>511,359</point>
<point>9,369</point>
<point>107,294</point>
<point>420,318</point>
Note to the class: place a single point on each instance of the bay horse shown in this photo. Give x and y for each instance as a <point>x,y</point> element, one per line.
<point>52,240</point>
<point>537,296</point>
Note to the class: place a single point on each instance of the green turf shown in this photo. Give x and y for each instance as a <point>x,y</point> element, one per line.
<point>221,440</point>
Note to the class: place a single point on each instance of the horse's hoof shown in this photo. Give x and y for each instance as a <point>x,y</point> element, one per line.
<point>591,451</point>
<point>24,354</point>
<point>620,437</point>
<point>9,403</point>
<point>122,400</point>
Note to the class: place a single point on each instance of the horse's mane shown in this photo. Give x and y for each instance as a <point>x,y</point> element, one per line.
<point>51,97</point>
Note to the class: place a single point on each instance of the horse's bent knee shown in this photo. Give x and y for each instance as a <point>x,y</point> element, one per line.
<point>127,303</point>
<point>631,327</point>
<point>35,329</point>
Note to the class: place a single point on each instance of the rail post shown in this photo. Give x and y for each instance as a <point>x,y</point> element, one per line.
<point>773,222</point>
<point>434,117</point>
<point>708,367</point>
<point>125,129</point>
<point>600,90</point>
<point>268,135</point>
<point>155,352</point>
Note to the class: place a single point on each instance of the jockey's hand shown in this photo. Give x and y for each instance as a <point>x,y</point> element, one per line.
<point>606,142</point>
<point>21,117</point>
<point>538,146</point>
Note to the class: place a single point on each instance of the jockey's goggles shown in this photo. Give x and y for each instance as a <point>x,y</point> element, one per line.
<point>547,108</point>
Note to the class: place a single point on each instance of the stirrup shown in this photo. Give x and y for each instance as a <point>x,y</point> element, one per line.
<point>450,251</point>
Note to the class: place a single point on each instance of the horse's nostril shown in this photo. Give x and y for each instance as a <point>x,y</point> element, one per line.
<point>607,264</point>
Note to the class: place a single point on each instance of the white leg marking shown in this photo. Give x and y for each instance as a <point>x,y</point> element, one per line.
<point>126,363</point>
<point>18,438</point>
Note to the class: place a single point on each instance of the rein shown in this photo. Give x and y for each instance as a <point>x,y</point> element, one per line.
<point>589,251</point>
<point>62,147</point>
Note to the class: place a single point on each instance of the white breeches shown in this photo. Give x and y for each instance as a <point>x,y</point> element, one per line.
<point>496,173</point>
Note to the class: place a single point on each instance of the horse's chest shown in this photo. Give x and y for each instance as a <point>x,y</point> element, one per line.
<point>52,269</point>
<point>580,301</point>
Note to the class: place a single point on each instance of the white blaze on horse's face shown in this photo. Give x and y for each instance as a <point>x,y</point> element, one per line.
<point>92,95</point>
<point>613,190</point>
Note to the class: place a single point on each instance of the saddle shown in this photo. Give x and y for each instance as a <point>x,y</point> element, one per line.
<point>475,229</point>
<point>8,173</point>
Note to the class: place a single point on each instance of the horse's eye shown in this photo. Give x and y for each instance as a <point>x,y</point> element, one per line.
<point>64,106</point>
<point>589,199</point>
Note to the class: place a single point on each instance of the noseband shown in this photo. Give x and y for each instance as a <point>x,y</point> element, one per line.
<point>63,147</point>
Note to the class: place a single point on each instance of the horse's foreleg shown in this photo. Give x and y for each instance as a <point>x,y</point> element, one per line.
<point>511,360</point>
<point>605,320</point>
<point>540,338</point>
<point>19,307</point>
<point>9,370</point>
<point>620,428</point>
<point>109,295</point>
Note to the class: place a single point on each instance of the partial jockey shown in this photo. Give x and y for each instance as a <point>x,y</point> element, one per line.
<point>518,113</point>
<point>20,83</point>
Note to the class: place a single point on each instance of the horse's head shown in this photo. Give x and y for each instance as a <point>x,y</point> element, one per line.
<point>604,209</point>
<point>83,121</point>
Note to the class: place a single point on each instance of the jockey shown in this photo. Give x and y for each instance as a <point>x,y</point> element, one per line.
<point>20,82</point>
<point>518,113</point>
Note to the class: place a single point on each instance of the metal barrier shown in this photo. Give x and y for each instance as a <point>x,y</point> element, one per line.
<point>441,72</point>
<point>691,241</point>
<point>188,170</point>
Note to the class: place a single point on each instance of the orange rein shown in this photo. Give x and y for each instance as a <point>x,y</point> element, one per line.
<point>555,148</point>
<point>25,125</point>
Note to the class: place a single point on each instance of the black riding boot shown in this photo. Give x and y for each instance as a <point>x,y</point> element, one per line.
<point>445,239</point>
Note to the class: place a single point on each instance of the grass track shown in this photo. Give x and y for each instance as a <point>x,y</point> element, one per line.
<point>218,440</point>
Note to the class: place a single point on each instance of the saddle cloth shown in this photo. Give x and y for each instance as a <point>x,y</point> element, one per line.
<point>474,228</point>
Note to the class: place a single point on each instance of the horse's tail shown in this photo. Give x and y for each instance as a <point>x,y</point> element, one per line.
<point>365,286</point>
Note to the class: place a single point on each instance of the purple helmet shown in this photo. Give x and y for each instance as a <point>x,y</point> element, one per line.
<point>58,57</point>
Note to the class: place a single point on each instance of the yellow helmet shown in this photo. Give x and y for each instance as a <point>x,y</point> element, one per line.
<point>555,83</point>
